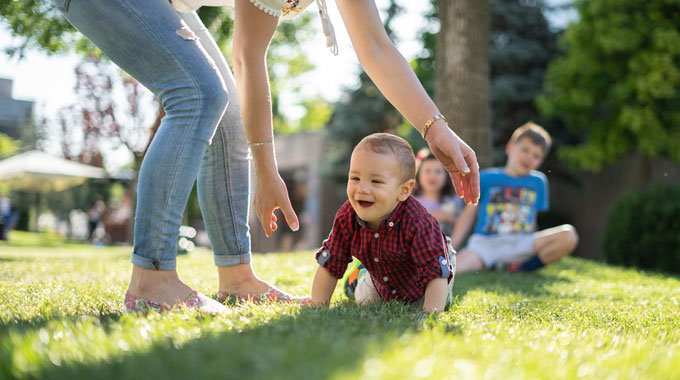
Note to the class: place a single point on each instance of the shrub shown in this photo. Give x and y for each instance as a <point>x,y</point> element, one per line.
<point>643,230</point>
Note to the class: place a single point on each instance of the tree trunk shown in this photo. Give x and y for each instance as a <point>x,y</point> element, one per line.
<point>462,64</point>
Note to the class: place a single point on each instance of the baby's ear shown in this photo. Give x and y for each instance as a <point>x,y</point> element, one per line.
<point>405,189</point>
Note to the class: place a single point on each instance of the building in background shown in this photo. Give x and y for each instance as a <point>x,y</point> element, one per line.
<point>14,114</point>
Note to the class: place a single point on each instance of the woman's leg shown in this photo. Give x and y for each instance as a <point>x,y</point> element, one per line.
<point>149,41</point>
<point>223,185</point>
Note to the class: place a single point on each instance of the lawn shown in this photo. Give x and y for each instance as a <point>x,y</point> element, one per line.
<point>61,316</point>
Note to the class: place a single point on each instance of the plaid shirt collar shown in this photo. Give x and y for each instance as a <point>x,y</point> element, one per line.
<point>392,219</point>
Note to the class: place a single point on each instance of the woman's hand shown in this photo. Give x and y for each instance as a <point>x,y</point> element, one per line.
<point>271,194</point>
<point>396,80</point>
<point>458,158</point>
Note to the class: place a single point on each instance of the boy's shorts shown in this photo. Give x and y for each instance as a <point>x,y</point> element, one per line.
<point>493,249</point>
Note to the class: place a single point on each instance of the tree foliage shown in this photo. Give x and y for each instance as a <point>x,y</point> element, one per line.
<point>643,230</point>
<point>8,146</point>
<point>619,81</point>
<point>39,25</point>
<point>97,121</point>
<point>520,49</point>
<point>362,111</point>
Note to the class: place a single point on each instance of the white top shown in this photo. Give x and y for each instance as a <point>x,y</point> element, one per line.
<point>276,8</point>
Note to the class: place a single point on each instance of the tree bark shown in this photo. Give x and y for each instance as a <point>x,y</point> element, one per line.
<point>462,64</point>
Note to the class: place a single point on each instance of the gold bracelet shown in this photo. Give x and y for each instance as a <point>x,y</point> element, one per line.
<point>256,144</point>
<point>431,121</point>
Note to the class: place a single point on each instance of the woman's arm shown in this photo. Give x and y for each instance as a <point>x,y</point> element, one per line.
<point>396,80</point>
<point>253,31</point>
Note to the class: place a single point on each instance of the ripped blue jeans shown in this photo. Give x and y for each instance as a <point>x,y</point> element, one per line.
<point>200,137</point>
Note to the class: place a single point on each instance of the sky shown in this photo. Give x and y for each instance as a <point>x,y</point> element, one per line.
<point>49,80</point>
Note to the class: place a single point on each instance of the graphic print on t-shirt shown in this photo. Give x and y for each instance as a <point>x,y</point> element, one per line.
<point>510,210</point>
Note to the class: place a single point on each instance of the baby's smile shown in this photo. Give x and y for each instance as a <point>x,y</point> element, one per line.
<point>365,204</point>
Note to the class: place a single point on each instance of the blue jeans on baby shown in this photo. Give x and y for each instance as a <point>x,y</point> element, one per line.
<point>174,56</point>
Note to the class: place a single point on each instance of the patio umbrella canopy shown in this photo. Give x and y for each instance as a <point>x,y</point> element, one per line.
<point>41,172</point>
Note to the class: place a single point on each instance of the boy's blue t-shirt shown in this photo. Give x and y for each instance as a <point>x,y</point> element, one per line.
<point>508,205</point>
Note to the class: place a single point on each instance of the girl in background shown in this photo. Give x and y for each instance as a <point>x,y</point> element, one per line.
<point>434,190</point>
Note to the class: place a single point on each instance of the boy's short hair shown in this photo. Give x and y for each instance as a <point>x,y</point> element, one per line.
<point>535,133</point>
<point>383,143</point>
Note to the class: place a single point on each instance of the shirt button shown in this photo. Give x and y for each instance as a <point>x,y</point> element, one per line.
<point>394,291</point>
<point>385,278</point>
<point>377,260</point>
<point>391,224</point>
<point>376,235</point>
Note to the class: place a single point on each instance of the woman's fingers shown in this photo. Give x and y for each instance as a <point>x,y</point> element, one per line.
<point>272,223</point>
<point>266,223</point>
<point>461,163</point>
<point>267,206</point>
<point>473,178</point>
<point>456,178</point>
<point>460,170</point>
<point>289,214</point>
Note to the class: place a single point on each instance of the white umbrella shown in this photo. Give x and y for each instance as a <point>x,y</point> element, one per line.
<point>41,172</point>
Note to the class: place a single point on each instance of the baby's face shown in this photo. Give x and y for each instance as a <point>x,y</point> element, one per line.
<point>374,185</point>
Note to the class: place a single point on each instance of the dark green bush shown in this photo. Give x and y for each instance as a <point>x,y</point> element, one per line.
<point>643,230</point>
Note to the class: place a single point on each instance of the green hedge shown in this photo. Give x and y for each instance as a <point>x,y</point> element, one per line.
<point>643,230</point>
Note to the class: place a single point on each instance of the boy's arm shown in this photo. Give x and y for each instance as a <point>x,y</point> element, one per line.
<point>463,225</point>
<point>435,295</point>
<point>323,287</point>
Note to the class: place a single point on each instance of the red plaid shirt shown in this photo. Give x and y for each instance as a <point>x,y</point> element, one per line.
<point>405,253</point>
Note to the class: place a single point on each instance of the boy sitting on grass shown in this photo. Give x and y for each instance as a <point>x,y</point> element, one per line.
<point>400,244</point>
<point>510,197</point>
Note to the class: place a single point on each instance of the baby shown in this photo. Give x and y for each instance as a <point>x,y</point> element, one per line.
<point>401,245</point>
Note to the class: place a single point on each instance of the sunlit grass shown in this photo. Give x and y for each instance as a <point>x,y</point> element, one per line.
<point>61,316</point>
<point>42,240</point>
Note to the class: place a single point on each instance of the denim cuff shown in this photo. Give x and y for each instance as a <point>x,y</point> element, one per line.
<point>231,260</point>
<point>155,264</point>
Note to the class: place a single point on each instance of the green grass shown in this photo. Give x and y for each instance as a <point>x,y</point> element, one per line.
<point>61,316</point>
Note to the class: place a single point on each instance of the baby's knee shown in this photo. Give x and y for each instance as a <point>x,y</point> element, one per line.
<point>365,292</point>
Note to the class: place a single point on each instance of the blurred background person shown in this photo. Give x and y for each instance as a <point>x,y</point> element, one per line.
<point>5,216</point>
<point>95,215</point>
<point>434,190</point>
